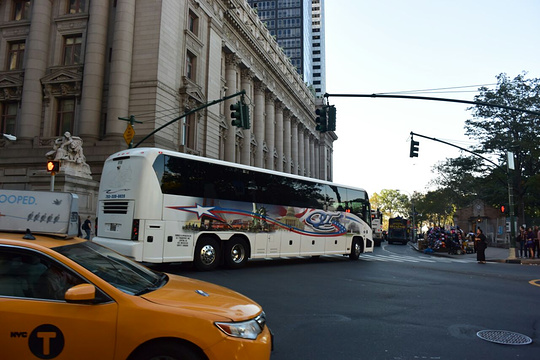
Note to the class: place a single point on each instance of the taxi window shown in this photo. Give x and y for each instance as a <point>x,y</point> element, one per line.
<point>119,271</point>
<point>27,274</point>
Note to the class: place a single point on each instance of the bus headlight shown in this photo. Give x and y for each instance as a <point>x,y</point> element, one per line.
<point>246,329</point>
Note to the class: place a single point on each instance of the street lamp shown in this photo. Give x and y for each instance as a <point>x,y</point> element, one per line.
<point>10,137</point>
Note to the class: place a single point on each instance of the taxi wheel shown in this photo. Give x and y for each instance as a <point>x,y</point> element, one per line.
<point>207,254</point>
<point>236,253</point>
<point>356,250</point>
<point>167,351</point>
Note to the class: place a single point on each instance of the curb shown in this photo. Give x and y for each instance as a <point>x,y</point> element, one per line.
<point>507,261</point>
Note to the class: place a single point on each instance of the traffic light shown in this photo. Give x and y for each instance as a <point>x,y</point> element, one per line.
<point>240,115</point>
<point>321,119</point>
<point>414,148</point>
<point>331,118</point>
<point>236,114</point>
<point>245,116</point>
<point>503,209</point>
<point>53,166</point>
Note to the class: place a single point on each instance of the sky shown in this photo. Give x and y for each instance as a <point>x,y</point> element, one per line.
<point>384,46</point>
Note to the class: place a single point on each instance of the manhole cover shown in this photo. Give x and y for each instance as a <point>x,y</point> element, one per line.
<point>504,337</point>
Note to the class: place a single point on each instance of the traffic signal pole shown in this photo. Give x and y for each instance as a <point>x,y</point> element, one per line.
<point>477,103</point>
<point>242,92</point>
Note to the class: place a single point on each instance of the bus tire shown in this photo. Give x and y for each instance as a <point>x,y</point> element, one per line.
<point>207,254</point>
<point>356,250</point>
<point>236,253</point>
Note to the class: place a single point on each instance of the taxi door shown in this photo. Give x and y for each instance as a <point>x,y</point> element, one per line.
<point>42,329</point>
<point>36,322</point>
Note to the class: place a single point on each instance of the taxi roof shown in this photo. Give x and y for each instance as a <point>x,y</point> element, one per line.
<point>45,240</point>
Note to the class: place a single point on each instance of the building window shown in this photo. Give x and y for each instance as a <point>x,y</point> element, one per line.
<point>16,55</point>
<point>191,62</point>
<point>76,6</point>
<point>65,116</point>
<point>188,132</point>
<point>9,117</point>
<point>193,23</point>
<point>21,10</point>
<point>72,50</point>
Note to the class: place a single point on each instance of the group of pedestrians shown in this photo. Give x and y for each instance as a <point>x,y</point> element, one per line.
<point>455,238</point>
<point>528,241</point>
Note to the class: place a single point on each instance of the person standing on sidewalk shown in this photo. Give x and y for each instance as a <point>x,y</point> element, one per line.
<point>521,239</point>
<point>87,227</point>
<point>530,243</point>
<point>481,245</point>
<point>536,242</point>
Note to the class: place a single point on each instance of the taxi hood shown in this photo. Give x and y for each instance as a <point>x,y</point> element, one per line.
<point>196,295</point>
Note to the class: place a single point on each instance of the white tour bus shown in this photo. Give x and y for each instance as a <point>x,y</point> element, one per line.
<point>376,226</point>
<point>161,206</point>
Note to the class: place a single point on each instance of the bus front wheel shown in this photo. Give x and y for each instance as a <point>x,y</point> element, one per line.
<point>206,254</point>
<point>236,253</point>
<point>356,250</point>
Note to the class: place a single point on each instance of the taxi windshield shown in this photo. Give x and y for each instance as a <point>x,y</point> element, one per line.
<point>124,274</point>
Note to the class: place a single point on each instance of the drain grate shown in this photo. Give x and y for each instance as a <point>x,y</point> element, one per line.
<point>504,337</point>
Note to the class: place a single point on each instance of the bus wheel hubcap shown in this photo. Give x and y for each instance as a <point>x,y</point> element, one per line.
<point>237,253</point>
<point>208,254</point>
<point>357,248</point>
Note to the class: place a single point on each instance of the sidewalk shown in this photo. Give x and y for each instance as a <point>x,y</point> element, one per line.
<point>493,254</point>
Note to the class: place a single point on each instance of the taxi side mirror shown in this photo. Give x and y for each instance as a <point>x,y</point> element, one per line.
<point>81,292</point>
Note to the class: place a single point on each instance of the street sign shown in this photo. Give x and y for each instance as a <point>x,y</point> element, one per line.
<point>129,134</point>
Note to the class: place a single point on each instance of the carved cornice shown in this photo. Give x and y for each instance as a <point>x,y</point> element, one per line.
<point>11,84</point>
<point>191,95</point>
<point>63,81</point>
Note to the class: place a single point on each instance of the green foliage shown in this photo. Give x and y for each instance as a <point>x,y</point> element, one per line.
<point>501,130</point>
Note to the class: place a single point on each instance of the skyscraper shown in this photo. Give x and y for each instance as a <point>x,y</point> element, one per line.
<point>298,26</point>
<point>319,48</point>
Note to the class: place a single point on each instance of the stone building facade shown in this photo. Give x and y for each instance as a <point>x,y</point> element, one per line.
<point>78,66</point>
<point>489,219</point>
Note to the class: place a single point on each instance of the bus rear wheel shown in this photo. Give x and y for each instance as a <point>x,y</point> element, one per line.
<point>206,254</point>
<point>236,253</point>
<point>356,250</point>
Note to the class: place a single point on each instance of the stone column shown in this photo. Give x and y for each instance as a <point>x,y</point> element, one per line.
<point>247,85</point>
<point>307,157</point>
<point>270,128</point>
<point>313,159</point>
<point>94,69</point>
<point>317,153</point>
<point>287,142</point>
<point>279,135</point>
<point>301,153</point>
<point>295,167</point>
<point>120,68</point>
<point>258,122</point>
<point>231,66</point>
<point>35,65</point>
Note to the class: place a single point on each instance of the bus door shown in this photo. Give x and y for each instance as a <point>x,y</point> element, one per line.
<point>177,244</point>
<point>153,232</point>
<point>264,244</point>
<point>290,242</point>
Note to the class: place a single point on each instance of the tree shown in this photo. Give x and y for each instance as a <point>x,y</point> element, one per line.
<point>500,130</point>
<point>393,203</point>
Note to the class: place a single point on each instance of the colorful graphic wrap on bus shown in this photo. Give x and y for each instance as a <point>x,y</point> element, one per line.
<point>323,223</point>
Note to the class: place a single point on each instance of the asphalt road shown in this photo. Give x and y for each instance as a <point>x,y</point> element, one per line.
<point>393,304</point>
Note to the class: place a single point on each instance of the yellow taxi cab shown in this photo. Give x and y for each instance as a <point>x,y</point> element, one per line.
<point>63,297</point>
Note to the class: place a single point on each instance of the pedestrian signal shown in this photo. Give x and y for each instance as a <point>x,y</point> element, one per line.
<point>53,166</point>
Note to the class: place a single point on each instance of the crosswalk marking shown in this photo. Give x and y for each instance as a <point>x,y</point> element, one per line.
<point>411,259</point>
